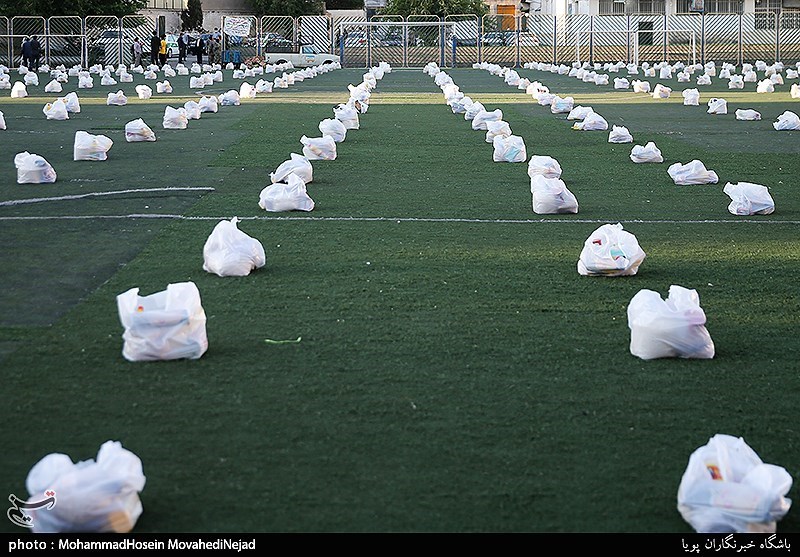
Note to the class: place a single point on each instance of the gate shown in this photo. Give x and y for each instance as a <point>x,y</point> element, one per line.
<point>387,42</point>
<point>425,40</point>
<point>21,27</point>
<point>277,34</point>
<point>239,35</point>
<point>64,44</point>
<point>316,30</point>
<point>462,46</point>
<point>5,43</point>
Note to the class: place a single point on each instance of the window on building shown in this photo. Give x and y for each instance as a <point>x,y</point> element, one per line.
<point>651,6</point>
<point>611,7</point>
<point>713,6</point>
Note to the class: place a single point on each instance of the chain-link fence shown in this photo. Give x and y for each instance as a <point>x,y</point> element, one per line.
<point>456,40</point>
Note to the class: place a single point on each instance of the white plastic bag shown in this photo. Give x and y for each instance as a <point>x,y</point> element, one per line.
<point>144,92</point>
<point>619,134</point>
<point>107,80</point>
<point>56,110</point>
<point>319,148</point>
<point>561,105</point>
<point>693,172</point>
<point>747,114</point>
<point>765,86</point>
<point>661,92</point>
<point>137,130</point>
<point>551,196</point>
<point>473,110</point>
<point>671,328</point>
<point>787,121</point>
<point>291,196</point>
<point>167,325</point>
<point>53,87</point>
<point>263,86</point>
<point>71,102</point>
<point>484,116</point>
<point>175,118</point>
<point>579,112</point>
<point>794,92</point>
<point>749,199</point>
<point>691,97</point>
<point>736,82</point>
<point>117,99</point>
<point>88,147</point>
<point>717,106</point>
<point>229,252</point>
<point>2,121</point>
<point>164,87</point>
<point>247,91</point>
<point>509,149</point>
<point>621,83</point>
<point>31,79</point>
<point>196,82</point>
<point>543,165</point>
<point>727,488</point>
<point>33,169</point>
<point>646,153</point>
<point>610,251</point>
<point>333,128</point>
<point>85,82</point>
<point>91,496</point>
<point>592,122</point>
<point>208,104</point>
<point>347,115</point>
<point>640,86</point>
<point>497,128</point>
<point>230,98</point>
<point>192,109</point>
<point>297,164</point>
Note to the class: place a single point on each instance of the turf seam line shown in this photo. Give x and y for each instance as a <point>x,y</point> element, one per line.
<point>97,194</point>
<point>399,219</point>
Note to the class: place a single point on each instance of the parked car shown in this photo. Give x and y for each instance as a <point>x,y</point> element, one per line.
<point>526,38</point>
<point>394,39</point>
<point>457,41</point>
<point>498,38</point>
<point>356,38</point>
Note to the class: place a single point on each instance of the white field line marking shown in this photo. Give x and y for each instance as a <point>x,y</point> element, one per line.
<point>405,219</point>
<point>94,194</point>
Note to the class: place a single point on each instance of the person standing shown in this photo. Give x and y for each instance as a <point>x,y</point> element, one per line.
<point>26,52</point>
<point>213,49</point>
<point>162,51</point>
<point>155,46</point>
<point>36,53</point>
<point>137,52</point>
<point>199,46</point>
<point>183,44</point>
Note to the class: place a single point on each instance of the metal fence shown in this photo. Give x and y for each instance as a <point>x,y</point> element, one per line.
<point>460,40</point>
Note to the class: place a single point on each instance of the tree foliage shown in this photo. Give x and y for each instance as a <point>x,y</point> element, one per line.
<point>293,8</point>
<point>47,8</point>
<point>192,16</point>
<point>440,8</point>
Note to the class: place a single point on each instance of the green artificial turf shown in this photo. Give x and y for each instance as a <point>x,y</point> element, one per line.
<point>454,372</point>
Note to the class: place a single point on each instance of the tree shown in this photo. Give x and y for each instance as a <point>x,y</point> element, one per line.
<point>47,8</point>
<point>192,16</point>
<point>291,8</point>
<point>440,8</point>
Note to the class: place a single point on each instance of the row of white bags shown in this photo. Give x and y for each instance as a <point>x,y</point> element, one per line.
<point>288,191</point>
